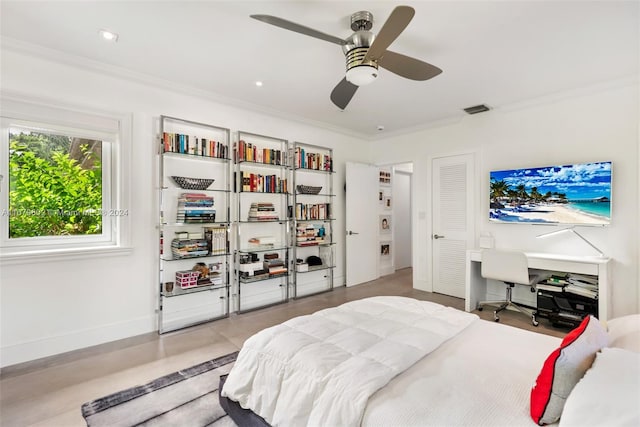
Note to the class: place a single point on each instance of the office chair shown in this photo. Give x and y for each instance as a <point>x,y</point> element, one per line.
<point>511,268</point>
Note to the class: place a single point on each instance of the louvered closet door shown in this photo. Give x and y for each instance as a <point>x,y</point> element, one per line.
<point>452,222</point>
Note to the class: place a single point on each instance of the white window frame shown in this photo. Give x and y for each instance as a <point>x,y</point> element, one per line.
<point>115,132</point>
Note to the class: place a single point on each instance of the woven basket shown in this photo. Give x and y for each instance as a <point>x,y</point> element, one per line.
<point>308,189</point>
<point>192,183</point>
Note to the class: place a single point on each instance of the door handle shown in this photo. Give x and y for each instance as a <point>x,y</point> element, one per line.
<point>351,232</point>
<point>436,236</point>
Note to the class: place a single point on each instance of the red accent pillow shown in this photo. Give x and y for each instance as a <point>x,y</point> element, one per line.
<point>564,367</point>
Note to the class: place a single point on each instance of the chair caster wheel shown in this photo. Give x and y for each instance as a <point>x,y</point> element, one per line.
<point>534,322</point>
<point>480,308</point>
<point>495,317</point>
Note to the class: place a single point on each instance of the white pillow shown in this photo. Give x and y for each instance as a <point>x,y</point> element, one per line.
<point>608,394</point>
<point>624,332</point>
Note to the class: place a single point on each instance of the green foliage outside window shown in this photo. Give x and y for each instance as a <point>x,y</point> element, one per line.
<point>55,185</point>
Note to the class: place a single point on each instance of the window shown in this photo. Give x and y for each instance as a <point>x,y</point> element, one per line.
<point>59,187</point>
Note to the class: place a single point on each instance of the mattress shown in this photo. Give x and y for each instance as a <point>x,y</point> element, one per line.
<point>481,377</point>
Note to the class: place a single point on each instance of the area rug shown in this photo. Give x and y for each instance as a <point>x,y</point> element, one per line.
<point>185,398</point>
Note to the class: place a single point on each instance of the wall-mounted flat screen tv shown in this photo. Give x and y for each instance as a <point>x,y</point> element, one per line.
<point>577,194</point>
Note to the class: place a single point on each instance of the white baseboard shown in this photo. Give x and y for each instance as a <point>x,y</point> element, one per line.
<point>75,340</point>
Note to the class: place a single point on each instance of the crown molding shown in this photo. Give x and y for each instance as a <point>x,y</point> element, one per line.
<point>64,58</point>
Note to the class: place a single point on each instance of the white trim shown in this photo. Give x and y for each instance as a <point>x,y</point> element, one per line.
<point>114,130</point>
<point>82,338</point>
<point>55,255</point>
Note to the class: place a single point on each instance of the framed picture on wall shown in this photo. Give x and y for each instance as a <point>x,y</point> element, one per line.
<point>385,249</point>
<point>385,177</point>
<point>385,223</point>
<point>387,203</point>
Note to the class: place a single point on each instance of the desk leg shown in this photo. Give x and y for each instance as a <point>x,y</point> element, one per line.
<point>475,285</point>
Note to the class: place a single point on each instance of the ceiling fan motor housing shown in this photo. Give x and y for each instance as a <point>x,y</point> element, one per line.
<point>360,72</point>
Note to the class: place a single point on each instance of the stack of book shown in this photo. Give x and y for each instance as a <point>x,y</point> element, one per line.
<point>583,285</point>
<point>196,208</point>
<point>554,283</point>
<point>189,248</point>
<point>310,234</point>
<point>274,264</point>
<point>577,284</point>
<point>262,211</point>
<point>262,242</point>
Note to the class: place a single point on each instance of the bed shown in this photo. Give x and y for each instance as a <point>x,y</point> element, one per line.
<point>466,372</point>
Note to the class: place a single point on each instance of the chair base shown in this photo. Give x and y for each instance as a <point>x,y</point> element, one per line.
<point>508,303</point>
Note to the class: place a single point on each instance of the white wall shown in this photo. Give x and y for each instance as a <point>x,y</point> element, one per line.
<point>595,124</point>
<point>46,307</point>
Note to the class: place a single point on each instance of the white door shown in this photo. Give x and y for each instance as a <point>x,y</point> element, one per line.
<point>362,223</point>
<point>452,222</point>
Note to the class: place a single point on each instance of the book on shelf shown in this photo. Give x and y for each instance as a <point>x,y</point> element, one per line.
<point>196,208</point>
<point>250,268</point>
<point>262,242</point>
<point>316,161</point>
<point>189,248</point>
<point>583,282</point>
<point>551,287</point>
<point>273,263</point>
<point>579,290</point>
<point>277,270</point>
<point>584,278</point>
<point>258,183</point>
<point>262,211</point>
<point>312,211</point>
<point>216,238</point>
<point>557,279</point>
<point>310,234</point>
<point>186,144</point>
<point>250,152</point>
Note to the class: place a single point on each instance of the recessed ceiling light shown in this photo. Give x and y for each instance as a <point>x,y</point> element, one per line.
<point>108,35</point>
<point>380,127</point>
<point>259,83</point>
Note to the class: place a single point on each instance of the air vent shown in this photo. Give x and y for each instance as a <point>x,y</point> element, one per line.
<point>477,109</point>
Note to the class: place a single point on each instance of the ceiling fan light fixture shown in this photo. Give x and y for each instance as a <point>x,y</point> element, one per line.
<point>362,75</point>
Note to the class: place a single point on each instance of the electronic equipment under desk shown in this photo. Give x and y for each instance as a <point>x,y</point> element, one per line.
<point>476,285</point>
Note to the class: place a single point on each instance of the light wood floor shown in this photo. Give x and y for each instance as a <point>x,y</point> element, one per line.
<point>49,392</point>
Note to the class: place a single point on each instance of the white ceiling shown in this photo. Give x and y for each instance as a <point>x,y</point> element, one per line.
<point>493,52</point>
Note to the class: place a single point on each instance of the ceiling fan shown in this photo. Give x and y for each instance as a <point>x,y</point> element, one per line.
<point>365,51</point>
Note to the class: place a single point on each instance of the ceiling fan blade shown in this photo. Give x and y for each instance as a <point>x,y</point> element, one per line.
<point>395,24</point>
<point>342,93</point>
<point>408,67</point>
<point>292,26</point>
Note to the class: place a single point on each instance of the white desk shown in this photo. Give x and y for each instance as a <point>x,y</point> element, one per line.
<point>476,285</point>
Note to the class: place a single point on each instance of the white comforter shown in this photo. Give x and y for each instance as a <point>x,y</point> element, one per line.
<point>322,368</point>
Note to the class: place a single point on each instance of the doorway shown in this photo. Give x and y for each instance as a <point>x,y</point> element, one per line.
<point>402,214</point>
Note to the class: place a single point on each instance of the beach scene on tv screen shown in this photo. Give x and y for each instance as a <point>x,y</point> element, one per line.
<point>569,194</point>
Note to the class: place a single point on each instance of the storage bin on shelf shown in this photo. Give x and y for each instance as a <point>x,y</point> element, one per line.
<point>187,278</point>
